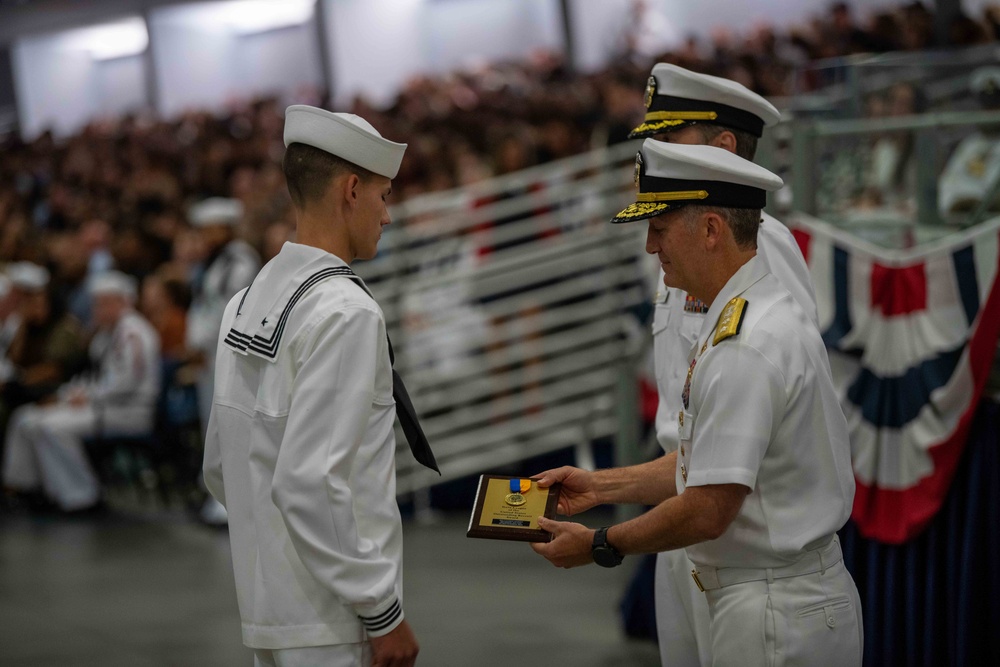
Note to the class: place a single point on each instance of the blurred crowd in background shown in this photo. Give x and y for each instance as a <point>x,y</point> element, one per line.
<point>118,194</point>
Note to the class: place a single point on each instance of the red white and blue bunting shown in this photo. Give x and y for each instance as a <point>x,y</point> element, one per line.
<point>911,335</point>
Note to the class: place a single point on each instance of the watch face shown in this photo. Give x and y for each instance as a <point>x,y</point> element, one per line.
<point>605,557</point>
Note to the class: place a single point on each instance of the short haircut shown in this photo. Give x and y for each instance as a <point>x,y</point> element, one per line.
<point>746,143</point>
<point>309,171</point>
<point>744,222</point>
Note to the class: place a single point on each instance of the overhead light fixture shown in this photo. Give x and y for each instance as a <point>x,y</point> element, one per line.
<point>246,17</point>
<point>110,40</point>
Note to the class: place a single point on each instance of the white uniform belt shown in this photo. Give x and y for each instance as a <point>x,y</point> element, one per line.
<point>818,560</point>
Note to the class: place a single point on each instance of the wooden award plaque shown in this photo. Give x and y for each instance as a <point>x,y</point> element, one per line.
<point>500,513</point>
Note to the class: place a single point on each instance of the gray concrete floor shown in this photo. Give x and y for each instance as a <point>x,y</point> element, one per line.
<point>144,589</point>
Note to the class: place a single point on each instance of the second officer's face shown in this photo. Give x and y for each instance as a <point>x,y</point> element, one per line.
<point>672,239</point>
<point>371,215</point>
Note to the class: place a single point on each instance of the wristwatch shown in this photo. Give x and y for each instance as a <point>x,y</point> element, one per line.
<point>604,554</point>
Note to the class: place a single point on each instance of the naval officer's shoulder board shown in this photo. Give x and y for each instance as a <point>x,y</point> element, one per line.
<point>730,320</point>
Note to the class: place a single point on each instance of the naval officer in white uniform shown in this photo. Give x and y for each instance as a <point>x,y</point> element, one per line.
<point>762,478</point>
<point>300,446</point>
<point>685,107</point>
<point>973,170</point>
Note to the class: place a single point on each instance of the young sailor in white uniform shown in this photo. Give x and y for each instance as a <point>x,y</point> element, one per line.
<point>685,107</point>
<point>762,478</point>
<point>300,446</point>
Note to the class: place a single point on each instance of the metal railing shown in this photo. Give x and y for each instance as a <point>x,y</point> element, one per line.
<point>846,82</point>
<point>832,161</point>
<point>508,303</point>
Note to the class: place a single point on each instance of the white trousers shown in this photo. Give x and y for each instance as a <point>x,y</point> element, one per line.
<point>338,655</point>
<point>45,448</point>
<point>683,625</point>
<point>811,620</point>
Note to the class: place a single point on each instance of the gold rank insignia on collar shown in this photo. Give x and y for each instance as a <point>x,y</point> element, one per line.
<point>730,320</point>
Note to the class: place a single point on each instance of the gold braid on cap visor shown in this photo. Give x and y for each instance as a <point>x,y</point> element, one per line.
<point>671,196</point>
<point>640,210</point>
<point>680,115</point>
<point>658,126</point>
<point>649,204</point>
<point>658,121</point>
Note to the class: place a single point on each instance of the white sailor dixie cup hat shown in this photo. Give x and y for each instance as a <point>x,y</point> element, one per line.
<point>345,135</point>
<point>676,97</point>
<point>28,276</point>
<point>113,283</point>
<point>669,176</point>
<point>216,211</point>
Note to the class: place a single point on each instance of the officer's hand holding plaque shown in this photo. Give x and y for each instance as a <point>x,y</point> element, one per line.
<point>507,508</point>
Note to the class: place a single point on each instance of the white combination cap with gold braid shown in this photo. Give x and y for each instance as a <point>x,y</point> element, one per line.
<point>345,135</point>
<point>676,97</point>
<point>669,176</point>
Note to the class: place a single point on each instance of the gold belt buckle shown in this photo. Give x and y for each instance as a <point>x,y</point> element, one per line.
<point>694,575</point>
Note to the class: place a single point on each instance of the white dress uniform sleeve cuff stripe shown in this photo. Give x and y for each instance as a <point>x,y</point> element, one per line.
<point>383,619</point>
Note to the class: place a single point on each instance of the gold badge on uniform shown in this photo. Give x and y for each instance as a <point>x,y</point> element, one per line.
<point>686,393</point>
<point>650,91</point>
<point>976,167</point>
<point>638,169</point>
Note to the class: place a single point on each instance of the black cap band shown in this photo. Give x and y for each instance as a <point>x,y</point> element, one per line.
<point>678,192</point>
<point>725,115</point>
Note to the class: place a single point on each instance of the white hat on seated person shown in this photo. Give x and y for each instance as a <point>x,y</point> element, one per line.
<point>669,176</point>
<point>113,282</point>
<point>676,97</point>
<point>344,135</point>
<point>216,211</point>
<point>28,276</point>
